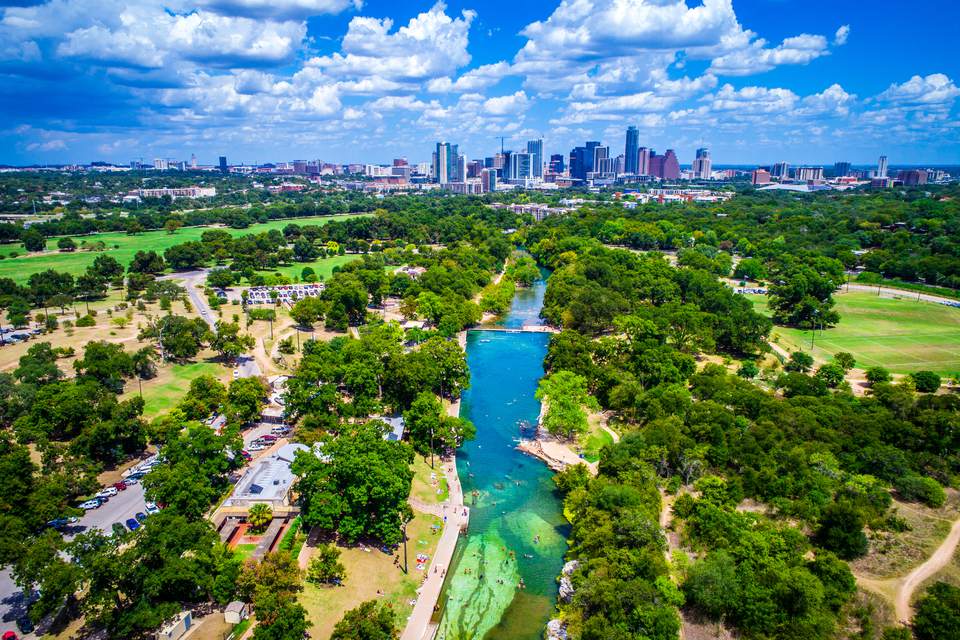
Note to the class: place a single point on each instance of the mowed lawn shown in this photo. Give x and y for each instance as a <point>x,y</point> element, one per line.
<point>163,393</point>
<point>123,247</point>
<point>902,334</point>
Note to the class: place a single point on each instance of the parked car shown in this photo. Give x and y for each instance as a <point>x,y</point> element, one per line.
<point>152,508</point>
<point>9,635</point>
<point>90,504</point>
<point>246,455</point>
<point>141,517</point>
<point>120,486</point>
<point>58,523</point>
<point>236,373</point>
<point>268,437</point>
<point>256,446</point>
<point>131,480</point>
<point>109,492</point>
<point>132,524</point>
<point>25,624</point>
<point>280,430</point>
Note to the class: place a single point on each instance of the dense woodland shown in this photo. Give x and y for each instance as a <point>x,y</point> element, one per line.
<point>823,461</point>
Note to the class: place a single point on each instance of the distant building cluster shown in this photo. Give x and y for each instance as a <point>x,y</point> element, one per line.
<point>780,176</point>
<point>285,293</point>
<point>177,192</point>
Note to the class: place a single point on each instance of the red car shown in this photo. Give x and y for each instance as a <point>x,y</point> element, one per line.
<point>121,486</point>
<point>268,438</point>
<point>9,635</point>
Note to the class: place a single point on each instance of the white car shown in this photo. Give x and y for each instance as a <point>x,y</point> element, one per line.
<point>236,373</point>
<point>151,508</point>
<point>109,492</point>
<point>256,446</point>
<point>90,504</point>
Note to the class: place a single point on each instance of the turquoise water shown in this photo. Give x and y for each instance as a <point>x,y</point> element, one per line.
<point>517,531</point>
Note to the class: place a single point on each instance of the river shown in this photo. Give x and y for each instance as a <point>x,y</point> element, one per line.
<point>517,530</point>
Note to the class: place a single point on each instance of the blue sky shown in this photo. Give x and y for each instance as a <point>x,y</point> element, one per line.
<point>342,80</point>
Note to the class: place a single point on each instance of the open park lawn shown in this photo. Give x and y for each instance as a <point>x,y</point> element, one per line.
<point>162,393</point>
<point>123,247</point>
<point>900,334</point>
<point>367,571</point>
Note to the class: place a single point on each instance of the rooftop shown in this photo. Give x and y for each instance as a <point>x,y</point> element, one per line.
<point>268,480</point>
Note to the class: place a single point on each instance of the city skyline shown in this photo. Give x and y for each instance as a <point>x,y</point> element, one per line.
<point>755,82</point>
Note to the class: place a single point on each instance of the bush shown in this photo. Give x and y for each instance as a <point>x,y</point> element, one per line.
<point>917,488</point>
<point>748,370</point>
<point>877,374</point>
<point>831,373</point>
<point>938,613</point>
<point>845,360</point>
<point>799,361</point>
<point>926,381</point>
<point>841,530</point>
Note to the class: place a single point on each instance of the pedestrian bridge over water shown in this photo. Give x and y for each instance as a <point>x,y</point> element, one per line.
<point>527,328</point>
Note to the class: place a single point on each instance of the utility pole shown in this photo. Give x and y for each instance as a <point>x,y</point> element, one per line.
<point>406,569</point>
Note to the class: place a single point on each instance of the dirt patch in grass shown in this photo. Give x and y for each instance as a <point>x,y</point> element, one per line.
<point>893,554</point>
<point>696,626</point>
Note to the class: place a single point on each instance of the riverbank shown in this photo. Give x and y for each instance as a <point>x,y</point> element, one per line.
<point>456,518</point>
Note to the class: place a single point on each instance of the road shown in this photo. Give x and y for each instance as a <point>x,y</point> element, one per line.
<point>887,292</point>
<point>12,604</point>
<point>193,282</point>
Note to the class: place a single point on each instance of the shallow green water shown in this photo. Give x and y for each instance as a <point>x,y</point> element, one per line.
<point>517,530</point>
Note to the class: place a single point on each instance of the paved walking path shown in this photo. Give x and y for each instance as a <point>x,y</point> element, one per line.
<point>456,516</point>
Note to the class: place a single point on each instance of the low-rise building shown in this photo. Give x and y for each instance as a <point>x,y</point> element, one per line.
<point>268,480</point>
<point>286,293</point>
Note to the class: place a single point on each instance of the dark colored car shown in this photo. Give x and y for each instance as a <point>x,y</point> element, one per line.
<point>132,524</point>
<point>141,517</point>
<point>25,624</point>
<point>58,523</point>
<point>246,455</point>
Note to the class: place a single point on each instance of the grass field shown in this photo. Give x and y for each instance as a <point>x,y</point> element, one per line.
<point>172,382</point>
<point>368,572</point>
<point>902,335</point>
<point>123,247</point>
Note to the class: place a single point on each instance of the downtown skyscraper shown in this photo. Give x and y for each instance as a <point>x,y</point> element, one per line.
<point>535,149</point>
<point>630,150</point>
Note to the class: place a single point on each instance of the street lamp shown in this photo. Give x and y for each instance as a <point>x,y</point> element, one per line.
<point>431,446</point>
